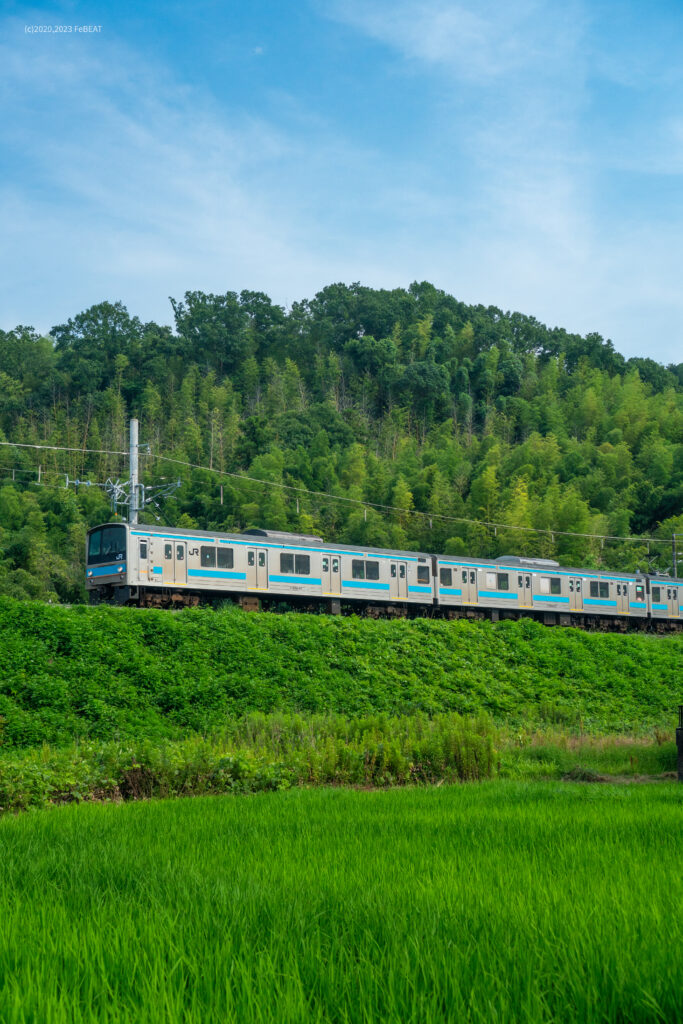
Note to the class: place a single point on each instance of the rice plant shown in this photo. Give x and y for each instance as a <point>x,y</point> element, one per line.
<point>493,902</point>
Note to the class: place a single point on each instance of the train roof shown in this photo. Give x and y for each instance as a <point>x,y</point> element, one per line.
<point>282,536</point>
<point>532,563</point>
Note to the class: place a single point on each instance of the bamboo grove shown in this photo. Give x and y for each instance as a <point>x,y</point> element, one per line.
<point>405,398</point>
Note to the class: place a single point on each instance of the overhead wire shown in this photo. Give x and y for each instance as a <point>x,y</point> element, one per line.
<point>363,503</point>
<point>59,448</point>
<point>358,502</point>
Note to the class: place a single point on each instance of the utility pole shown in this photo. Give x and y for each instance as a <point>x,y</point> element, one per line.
<point>130,493</point>
<point>675,555</point>
<point>133,457</point>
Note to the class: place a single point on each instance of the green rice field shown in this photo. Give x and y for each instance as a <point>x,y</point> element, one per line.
<point>496,901</point>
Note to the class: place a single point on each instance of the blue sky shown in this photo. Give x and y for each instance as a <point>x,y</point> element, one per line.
<point>524,154</point>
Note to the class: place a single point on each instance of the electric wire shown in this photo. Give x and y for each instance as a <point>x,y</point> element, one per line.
<point>358,502</point>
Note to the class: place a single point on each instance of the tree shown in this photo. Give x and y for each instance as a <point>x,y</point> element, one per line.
<point>215,329</point>
<point>88,345</point>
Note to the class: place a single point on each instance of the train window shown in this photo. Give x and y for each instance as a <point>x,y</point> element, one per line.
<point>286,563</point>
<point>302,565</point>
<point>618,589</point>
<point>423,574</point>
<point>490,579</point>
<point>358,569</point>
<point>473,577</point>
<point>372,570</point>
<point>464,576</point>
<point>335,565</point>
<point>578,586</point>
<point>604,590</point>
<point>168,551</point>
<point>402,571</point>
<point>225,558</point>
<point>640,590</point>
<point>393,571</point>
<point>326,565</point>
<point>250,558</point>
<point>208,557</point>
<point>528,581</point>
<point>656,595</point>
<point>544,585</point>
<point>594,588</point>
<point>261,558</point>
<point>446,577</point>
<point>503,581</point>
<point>668,593</point>
<point>519,581</point>
<point>180,552</point>
<point>571,586</point>
<point>555,585</point>
<point>143,549</point>
<point>107,544</point>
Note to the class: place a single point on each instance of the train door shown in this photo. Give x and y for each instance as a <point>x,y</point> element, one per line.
<point>143,563</point>
<point>524,590</point>
<point>180,564</point>
<point>468,578</point>
<point>399,580</point>
<point>673,598</point>
<point>622,599</point>
<point>257,568</point>
<point>331,574</point>
<point>167,574</point>
<point>575,594</point>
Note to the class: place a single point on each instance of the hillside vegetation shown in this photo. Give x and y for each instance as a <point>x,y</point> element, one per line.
<point>105,673</point>
<point>407,398</point>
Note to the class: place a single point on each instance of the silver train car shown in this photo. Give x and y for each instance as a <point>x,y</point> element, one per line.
<point>167,567</point>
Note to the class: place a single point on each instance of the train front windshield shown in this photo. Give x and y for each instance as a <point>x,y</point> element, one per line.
<point>107,544</point>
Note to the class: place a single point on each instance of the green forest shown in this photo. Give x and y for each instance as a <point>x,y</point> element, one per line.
<point>405,398</point>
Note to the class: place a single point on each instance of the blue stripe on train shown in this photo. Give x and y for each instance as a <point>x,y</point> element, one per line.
<point>216,574</point>
<point>366,584</point>
<point>312,580</point>
<point>451,591</point>
<point>595,600</point>
<point>419,590</point>
<point>108,570</point>
<point>550,597</point>
<point>495,594</point>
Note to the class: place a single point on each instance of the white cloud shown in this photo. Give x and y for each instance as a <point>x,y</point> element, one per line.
<point>140,188</point>
<point>129,185</point>
<point>474,41</point>
<point>543,231</point>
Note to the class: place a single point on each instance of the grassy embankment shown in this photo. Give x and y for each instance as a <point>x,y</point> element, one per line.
<point>500,902</point>
<point>138,703</point>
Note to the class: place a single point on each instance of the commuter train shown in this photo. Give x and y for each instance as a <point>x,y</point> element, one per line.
<point>154,566</point>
